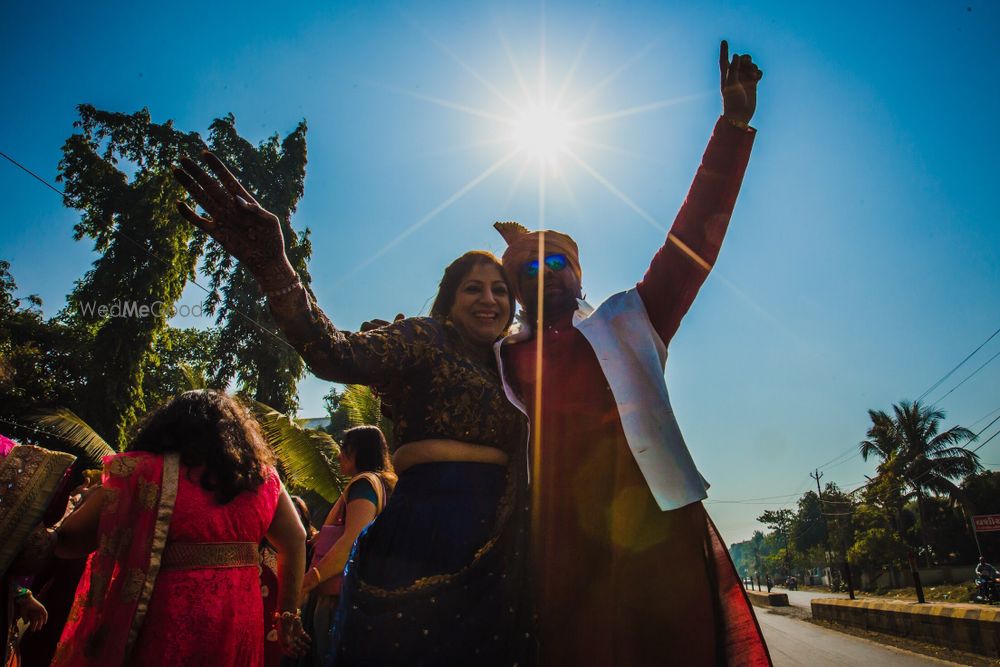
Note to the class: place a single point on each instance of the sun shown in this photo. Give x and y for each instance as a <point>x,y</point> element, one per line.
<point>540,128</point>
<point>542,132</point>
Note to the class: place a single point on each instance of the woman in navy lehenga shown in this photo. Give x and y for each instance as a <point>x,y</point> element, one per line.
<point>439,577</point>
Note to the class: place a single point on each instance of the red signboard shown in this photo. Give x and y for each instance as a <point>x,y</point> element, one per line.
<point>986,523</point>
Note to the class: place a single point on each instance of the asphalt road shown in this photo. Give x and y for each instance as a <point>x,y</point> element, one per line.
<point>802,598</point>
<point>793,642</point>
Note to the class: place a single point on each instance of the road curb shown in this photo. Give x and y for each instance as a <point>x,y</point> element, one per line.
<point>965,627</point>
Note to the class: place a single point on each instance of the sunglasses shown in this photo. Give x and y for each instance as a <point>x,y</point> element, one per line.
<point>555,261</point>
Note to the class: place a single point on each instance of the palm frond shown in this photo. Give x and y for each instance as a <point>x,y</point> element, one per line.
<point>362,405</point>
<point>952,436</point>
<point>882,437</point>
<point>194,378</point>
<point>75,432</point>
<point>308,457</point>
<point>365,407</point>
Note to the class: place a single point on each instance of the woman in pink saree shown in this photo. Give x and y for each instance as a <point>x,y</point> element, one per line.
<point>175,530</point>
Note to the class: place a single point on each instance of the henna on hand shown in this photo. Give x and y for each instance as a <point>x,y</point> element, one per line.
<point>247,231</point>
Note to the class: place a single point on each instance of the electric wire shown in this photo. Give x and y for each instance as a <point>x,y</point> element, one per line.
<point>148,251</point>
<point>960,364</point>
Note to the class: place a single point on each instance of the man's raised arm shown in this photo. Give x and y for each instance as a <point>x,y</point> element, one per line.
<point>683,262</point>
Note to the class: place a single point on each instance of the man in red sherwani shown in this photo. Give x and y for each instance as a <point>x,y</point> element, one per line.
<point>630,570</point>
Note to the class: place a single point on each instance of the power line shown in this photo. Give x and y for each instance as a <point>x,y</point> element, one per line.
<point>38,178</point>
<point>986,416</point>
<point>968,377</point>
<point>852,448</point>
<point>38,430</point>
<point>983,444</point>
<point>984,429</point>
<point>960,364</point>
<point>149,252</point>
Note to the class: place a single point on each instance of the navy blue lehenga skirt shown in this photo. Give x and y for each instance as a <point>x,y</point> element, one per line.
<point>439,578</point>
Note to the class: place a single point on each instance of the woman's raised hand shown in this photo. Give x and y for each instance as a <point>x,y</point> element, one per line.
<point>247,231</point>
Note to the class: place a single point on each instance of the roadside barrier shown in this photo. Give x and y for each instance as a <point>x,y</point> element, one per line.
<point>966,627</point>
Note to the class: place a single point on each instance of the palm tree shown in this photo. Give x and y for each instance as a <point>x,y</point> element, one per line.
<point>916,455</point>
<point>74,435</point>
<point>363,406</point>
<point>307,456</point>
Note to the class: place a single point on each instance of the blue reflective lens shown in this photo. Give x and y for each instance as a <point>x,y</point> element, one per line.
<point>555,261</point>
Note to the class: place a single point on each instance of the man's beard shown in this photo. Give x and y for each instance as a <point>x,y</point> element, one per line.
<point>556,304</point>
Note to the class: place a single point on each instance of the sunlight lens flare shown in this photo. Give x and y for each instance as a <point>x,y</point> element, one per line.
<point>543,132</point>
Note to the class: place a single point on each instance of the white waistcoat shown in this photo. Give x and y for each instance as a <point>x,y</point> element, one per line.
<point>633,359</point>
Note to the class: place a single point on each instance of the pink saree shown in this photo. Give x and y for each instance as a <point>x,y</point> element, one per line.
<point>130,610</point>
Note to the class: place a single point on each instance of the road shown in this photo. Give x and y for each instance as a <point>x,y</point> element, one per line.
<point>793,642</point>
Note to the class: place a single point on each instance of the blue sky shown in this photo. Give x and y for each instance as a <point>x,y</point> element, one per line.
<point>861,264</point>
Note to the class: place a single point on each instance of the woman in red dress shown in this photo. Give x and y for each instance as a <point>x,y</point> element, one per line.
<point>175,530</point>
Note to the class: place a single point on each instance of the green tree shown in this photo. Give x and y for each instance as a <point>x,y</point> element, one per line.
<point>43,363</point>
<point>339,420</point>
<point>916,457</point>
<point>780,522</point>
<point>807,525</point>
<point>118,173</point>
<point>250,347</point>
<point>147,252</point>
<point>356,405</point>
<point>307,457</point>
<point>182,359</point>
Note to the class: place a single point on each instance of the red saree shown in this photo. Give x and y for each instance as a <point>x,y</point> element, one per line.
<point>130,611</point>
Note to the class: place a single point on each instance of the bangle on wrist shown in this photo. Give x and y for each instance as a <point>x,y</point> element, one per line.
<point>284,290</point>
<point>319,577</point>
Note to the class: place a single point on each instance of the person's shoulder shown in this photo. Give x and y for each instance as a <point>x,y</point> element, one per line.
<point>361,488</point>
<point>271,477</point>
<point>126,463</point>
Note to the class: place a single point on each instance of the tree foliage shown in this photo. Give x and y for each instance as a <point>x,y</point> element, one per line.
<point>250,348</point>
<point>308,458</point>
<point>42,363</point>
<point>117,170</point>
<point>917,458</point>
<point>147,252</point>
<point>356,405</point>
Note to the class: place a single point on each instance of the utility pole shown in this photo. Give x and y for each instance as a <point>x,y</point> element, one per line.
<point>826,525</point>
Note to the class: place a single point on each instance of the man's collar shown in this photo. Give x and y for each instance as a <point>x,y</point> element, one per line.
<point>522,327</point>
<point>583,311</point>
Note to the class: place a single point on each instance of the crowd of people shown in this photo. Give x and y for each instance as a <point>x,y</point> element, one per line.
<point>538,500</point>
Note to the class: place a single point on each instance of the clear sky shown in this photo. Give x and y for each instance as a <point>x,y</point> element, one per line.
<point>862,263</point>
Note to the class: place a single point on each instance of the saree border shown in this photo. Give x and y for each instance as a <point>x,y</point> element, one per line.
<point>32,476</point>
<point>164,513</point>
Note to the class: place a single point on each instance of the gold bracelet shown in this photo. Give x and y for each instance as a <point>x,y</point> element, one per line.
<point>285,290</point>
<point>282,615</point>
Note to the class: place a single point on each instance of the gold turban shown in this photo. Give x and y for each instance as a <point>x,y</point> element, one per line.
<point>522,247</point>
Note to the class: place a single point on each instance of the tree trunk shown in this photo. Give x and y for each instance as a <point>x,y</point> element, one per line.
<point>923,528</point>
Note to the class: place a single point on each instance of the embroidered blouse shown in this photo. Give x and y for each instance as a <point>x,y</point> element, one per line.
<point>431,383</point>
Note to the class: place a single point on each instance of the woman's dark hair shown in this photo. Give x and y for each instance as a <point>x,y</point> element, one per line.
<point>456,273</point>
<point>303,511</point>
<point>211,429</point>
<point>367,446</point>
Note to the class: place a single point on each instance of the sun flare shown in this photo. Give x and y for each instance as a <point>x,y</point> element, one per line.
<point>543,132</point>
<point>542,127</point>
